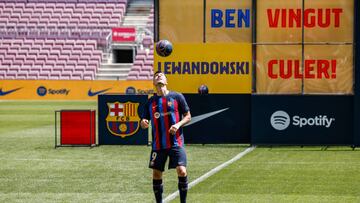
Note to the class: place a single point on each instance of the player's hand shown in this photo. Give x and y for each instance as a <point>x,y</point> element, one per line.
<point>144,123</point>
<point>173,129</point>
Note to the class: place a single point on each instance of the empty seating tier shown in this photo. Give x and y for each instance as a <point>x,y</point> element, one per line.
<point>55,39</point>
<point>61,15</point>
<point>142,68</point>
<point>100,35</point>
<point>49,59</point>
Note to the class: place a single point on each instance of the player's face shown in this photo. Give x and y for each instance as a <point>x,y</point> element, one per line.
<point>160,79</point>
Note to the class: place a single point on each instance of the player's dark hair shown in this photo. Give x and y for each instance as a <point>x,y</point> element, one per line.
<point>157,72</point>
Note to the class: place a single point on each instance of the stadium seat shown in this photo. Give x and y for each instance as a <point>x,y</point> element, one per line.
<point>43,76</point>
<point>151,52</point>
<point>22,75</point>
<point>11,75</point>
<point>65,77</point>
<point>131,78</point>
<point>133,74</point>
<point>140,58</point>
<point>55,75</point>
<point>88,76</point>
<point>4,69</point>
<point>148,63</point>
<point>147,41</point>
<point>146,70</point>
<point>139,63</point>
<point>150,58</point>
<point>141,77</point>
<point>77,75</point>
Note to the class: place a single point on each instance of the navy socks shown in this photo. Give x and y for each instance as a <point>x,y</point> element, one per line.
<point>183,188</point>
<point>158,190</point>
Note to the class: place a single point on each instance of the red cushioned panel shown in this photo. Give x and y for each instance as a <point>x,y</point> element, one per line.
<point>77,127</point>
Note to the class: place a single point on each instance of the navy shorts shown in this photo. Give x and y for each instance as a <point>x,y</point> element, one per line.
<point>177,157</point>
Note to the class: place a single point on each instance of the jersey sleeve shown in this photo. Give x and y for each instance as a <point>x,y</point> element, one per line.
<point>184,107</point>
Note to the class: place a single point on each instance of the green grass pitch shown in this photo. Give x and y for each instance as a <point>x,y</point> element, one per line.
<point>31,170</point>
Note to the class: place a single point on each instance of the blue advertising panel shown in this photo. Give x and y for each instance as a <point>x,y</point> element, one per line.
<point>218,118</point>
<point>302,119</point>
<point>119,120</point>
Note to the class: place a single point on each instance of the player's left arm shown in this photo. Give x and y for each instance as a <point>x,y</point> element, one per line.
<point>186,119</point>
<point>185,110</point>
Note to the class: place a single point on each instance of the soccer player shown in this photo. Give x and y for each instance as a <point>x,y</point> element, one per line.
<point>168,112</point>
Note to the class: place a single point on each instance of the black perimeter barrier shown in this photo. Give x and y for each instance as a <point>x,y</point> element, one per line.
<point>356,110</point>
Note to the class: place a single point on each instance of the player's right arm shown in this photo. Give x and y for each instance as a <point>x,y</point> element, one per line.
<point>144,123</point>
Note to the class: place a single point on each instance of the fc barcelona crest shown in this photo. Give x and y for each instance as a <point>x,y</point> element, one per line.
<point>123,119</point>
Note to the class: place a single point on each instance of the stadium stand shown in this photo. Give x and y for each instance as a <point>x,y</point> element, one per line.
<point>142,68</point>
<point>55,15</point>
<point>58,39</point>
<point>71,39</point>
<point>49,59</point>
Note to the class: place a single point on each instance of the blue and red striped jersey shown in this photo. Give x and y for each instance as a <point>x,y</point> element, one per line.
<point>164,112</point>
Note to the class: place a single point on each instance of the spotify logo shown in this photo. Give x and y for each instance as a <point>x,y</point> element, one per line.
<point>280,120</point>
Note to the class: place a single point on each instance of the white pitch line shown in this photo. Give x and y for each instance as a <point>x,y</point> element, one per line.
<point>211,172</point>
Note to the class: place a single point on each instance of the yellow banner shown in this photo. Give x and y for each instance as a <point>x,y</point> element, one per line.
<point>278,68</point>
<point>69,90</point>
<point>322,20</point>
<point>228,21</point>
<point>329,21</point>
<point>181,21</point>
<point>272,24</point>
<point>328,69</point>
<point>224,68</point>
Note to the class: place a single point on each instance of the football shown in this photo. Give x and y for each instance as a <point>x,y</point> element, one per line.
<point>203,89</point>
<point>164,48</point>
